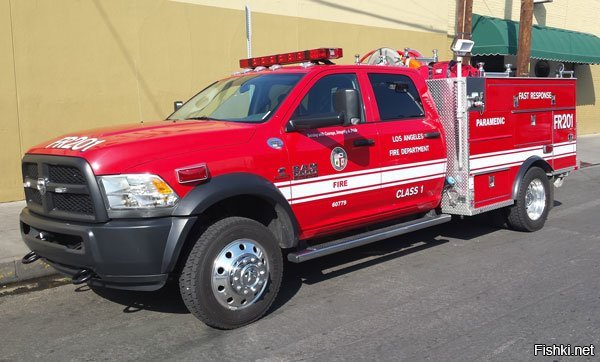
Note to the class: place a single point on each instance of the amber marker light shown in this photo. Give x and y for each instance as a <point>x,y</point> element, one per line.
<point>161,186</point>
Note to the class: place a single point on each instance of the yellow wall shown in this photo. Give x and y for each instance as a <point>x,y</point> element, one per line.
<point>415,15</point>
<point>10,183</point>
<point>588,93</point>
<point>74,64</point>
<point>82,64</point>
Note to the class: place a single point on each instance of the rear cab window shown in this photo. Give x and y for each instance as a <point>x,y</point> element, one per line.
<point>396,96</point>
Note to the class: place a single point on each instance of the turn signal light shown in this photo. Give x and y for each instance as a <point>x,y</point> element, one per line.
<point>194,173</point>
<point>312,55</point>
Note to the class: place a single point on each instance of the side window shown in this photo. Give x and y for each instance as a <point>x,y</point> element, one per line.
<point>396,96</point>
<point>320,98</point>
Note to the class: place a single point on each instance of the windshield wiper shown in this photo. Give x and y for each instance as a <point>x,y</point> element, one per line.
<point>205,118</point>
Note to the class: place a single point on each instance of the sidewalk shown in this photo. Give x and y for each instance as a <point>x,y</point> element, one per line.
<point>588,150</point>
<point>12,248</point>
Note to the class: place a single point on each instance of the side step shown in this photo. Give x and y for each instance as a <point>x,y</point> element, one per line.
<point>365,238</point>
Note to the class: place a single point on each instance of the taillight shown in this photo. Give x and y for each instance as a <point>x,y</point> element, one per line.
<point>196,173</point>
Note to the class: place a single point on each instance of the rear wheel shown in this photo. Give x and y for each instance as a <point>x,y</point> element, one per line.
<point>533,202</point>
<point>232,274</point>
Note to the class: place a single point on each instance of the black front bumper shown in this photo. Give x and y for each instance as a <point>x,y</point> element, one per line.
<point>135,254</point>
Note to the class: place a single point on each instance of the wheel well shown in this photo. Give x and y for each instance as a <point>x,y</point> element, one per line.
<point>265,211</point>
<point>529,163</point>
<point>541,164</point>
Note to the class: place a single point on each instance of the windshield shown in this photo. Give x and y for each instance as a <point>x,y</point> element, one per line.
<point>250,98</point>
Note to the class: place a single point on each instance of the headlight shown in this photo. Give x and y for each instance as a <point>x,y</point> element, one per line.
<point>137,191</point>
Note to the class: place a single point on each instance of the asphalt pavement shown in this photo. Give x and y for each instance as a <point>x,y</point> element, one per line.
<point>460,291</point>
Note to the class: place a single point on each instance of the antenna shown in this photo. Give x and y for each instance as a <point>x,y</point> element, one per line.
<point>249,31</point>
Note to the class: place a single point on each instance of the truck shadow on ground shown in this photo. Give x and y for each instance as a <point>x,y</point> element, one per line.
<point>168,300</point>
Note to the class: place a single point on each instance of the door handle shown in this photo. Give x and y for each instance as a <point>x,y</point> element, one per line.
<point>364,142</point>
<point>430,135</point>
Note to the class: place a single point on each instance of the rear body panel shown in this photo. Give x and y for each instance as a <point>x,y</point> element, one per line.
<point>521,119</point>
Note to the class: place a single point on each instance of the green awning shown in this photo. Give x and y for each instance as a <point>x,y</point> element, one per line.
<point>493,36</point>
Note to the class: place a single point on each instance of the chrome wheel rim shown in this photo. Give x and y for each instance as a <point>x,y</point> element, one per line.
<point>535,199</point>
<point>240,274</point>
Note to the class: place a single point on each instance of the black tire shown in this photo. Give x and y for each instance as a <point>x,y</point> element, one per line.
<point>196,280</point>
<point>518,217</point>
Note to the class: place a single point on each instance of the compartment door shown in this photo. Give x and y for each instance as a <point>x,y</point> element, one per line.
<point>533,128</point>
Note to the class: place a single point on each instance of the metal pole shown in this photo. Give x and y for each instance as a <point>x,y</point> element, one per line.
<point>524,51</point>
<point>249,31</point>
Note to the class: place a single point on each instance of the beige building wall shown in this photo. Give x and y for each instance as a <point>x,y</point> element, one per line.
<point>10,135</point>
<point>74,64</point>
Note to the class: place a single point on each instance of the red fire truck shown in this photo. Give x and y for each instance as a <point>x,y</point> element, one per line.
<point>298,162</point>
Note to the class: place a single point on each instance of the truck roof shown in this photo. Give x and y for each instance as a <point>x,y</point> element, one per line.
<point>320,67</point>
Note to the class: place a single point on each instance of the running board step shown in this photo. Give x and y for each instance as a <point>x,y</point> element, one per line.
<point>368,237</point>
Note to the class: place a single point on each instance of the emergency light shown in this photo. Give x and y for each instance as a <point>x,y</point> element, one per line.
<point>313,55</point>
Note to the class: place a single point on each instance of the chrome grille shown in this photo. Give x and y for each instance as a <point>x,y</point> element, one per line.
<point>62,188</point>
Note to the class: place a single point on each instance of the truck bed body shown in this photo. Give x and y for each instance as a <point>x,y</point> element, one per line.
<point>522,120</point>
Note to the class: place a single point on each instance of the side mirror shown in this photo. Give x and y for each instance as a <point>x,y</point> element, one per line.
<point>347,103</point>
<point>177,105</point>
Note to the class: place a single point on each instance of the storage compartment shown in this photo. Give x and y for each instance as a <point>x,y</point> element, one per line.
<point>492,187</point>
<point>533,128</point>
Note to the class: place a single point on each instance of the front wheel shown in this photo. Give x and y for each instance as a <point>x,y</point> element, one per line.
<point>232,274</point>
<point>533,202</point>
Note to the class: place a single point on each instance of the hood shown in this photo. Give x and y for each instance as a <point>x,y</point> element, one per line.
<point>115,149</point>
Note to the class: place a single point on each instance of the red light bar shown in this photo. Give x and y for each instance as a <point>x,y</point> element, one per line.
<point>313,55</point>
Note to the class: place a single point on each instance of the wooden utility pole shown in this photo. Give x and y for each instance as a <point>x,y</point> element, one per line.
<point>524,43</point>
<point>468,26</point>
<point>460,18</point>
<point>464,21</point>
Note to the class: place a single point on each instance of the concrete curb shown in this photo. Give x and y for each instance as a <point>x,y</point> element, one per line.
<point>15,271</point>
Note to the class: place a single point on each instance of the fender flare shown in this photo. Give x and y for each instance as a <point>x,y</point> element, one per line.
<point>230,185</point>
<point>527,164</point>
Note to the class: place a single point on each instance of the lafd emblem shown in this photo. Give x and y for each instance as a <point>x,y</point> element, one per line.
<point>339,159</point>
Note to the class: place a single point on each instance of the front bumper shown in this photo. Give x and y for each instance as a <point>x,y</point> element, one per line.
<point>134,254</point>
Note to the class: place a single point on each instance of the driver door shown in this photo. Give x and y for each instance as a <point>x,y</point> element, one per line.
<point>335,175</point>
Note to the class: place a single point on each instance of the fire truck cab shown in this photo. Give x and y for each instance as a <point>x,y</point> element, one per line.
<point>298,162</point>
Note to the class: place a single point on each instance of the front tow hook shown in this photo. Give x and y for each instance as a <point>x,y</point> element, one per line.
<point>82,276</point>
<point>30,257</point>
